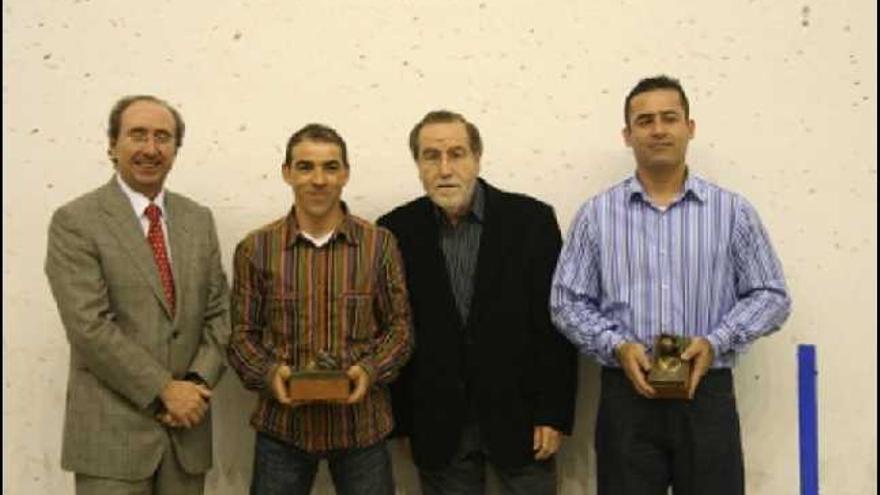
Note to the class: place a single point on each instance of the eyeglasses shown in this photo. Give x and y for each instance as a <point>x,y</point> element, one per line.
<point>142,137</point>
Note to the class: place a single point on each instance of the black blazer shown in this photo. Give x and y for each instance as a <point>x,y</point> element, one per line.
<point>521,371</point>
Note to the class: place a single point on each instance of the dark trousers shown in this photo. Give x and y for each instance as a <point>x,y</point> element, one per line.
<point>644,446</point>
<point>466,473</point>
<point>282,469</point>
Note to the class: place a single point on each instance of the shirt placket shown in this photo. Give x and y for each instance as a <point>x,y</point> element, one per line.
<point>664,262</point>
<point>324,286</point>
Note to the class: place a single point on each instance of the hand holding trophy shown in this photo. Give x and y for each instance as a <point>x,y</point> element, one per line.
<point>670,374</point>
<point>321,380</point>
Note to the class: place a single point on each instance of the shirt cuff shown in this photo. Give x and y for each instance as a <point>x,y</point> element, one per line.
<point>270,374</point>
<point>719,339</point>
<point>196,378</point>
<point>612,341</point>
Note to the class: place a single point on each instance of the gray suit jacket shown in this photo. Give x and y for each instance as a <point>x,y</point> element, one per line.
<point>124,344</point>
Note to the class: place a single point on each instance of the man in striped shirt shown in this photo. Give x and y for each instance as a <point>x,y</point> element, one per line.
<point>319,283</point>
<point>666,251</point>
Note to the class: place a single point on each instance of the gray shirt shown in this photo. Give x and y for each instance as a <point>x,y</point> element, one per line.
<point>460,245</point>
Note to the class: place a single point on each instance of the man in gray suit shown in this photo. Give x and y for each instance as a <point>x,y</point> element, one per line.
<point>135,270</point>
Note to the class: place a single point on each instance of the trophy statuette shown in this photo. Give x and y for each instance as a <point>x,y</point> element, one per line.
<point>670,375</point>
<point>321,380</point>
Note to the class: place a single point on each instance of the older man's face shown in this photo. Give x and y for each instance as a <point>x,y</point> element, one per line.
<point>448,167</point>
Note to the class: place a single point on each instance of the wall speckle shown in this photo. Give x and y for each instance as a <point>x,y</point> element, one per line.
<point>783,93</point>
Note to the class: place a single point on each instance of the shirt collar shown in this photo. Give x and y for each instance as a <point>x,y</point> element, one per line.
<point>694,187</point>
<point>475,212</point>
<point>346,230</point>
<point>139,201</point>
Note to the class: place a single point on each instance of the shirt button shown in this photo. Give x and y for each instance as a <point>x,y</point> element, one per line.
<point>175,334</point>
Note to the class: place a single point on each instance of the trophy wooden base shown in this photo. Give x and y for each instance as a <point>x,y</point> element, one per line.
<point>319,386</point>
<point>670,391</point>
<point>670,375</point>
<point>670,378</point>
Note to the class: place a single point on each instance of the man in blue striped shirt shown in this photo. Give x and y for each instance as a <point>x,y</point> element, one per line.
<point>665,251</point>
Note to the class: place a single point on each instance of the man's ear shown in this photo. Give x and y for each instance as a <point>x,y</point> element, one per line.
<point>112,155</point>
<point>625,132</point>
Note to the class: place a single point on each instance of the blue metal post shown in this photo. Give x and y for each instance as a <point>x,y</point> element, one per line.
<point>807,420</point>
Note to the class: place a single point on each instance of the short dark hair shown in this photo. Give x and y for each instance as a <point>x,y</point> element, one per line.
<point>654,83</point>
<point>316,132</point>
<point>445,117</point>
<point>114,123</point>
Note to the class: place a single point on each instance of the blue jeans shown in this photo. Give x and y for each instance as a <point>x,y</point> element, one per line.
<point>282,469</point>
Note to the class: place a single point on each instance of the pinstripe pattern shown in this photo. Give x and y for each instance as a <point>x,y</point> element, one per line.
<point>461,245</point>
<point>702,267</point>
<point>291,299</point>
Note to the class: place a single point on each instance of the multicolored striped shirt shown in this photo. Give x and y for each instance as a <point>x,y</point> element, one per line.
<point>291,300</point>
<point>703,266</point>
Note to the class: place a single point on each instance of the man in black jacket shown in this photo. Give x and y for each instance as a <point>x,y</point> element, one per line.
<point>490,379</point>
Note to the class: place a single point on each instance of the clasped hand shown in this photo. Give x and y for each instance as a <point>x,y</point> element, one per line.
<point>186,404</point>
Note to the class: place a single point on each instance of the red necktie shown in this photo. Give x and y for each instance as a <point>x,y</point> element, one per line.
<point>157,244</point>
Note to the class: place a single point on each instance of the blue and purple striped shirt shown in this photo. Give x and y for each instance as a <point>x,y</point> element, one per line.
<point>703,266</point>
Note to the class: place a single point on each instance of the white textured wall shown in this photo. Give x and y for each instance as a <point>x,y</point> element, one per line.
<point>783,93</point>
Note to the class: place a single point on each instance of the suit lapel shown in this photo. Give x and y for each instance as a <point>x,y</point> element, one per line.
<point>433,259</point>
<point>178,222</point>
<point>126,226</point>
<point>490,258</point>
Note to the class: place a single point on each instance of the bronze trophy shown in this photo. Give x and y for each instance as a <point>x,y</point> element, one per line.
<point>321,380</point>
<point>670,375</point>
